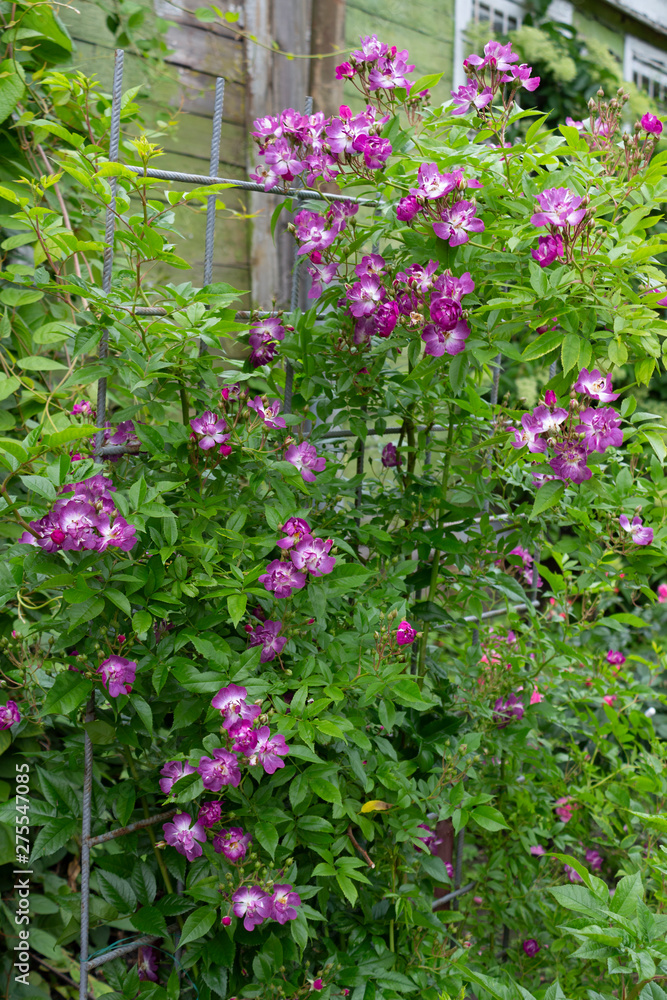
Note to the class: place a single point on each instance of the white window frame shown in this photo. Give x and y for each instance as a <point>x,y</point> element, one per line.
<point>642,61</point>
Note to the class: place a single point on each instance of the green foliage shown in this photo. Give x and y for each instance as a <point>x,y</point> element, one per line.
<point>382,737</point>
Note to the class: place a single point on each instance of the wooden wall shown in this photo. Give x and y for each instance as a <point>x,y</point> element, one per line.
<point>187,83</point>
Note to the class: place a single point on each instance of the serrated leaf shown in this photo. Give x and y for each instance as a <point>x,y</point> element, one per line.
<point>149,920</point>
<point>236,605</point>
<point>54,835</point>
<point>434,866</point>
<point>198,924</point>
<point>69,691</point>
<point>117,891</point>
<point>489,818</point>
<point>267,835</point>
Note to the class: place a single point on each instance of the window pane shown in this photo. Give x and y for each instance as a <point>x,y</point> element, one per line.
<point>512,23</point>
<point>498,22</point>
<point>484,12</point>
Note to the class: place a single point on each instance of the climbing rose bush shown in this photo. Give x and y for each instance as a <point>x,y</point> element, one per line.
<point>373,614</point>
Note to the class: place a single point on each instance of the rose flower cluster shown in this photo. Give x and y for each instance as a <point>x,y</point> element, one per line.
<point>437,198</point>
<point>572,435</point>
<point>307,555</point>
<point>84,519</point>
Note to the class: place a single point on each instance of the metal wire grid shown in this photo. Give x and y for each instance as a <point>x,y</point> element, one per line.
<point>101,451</point>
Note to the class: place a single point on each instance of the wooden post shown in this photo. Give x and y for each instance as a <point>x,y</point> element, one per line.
<point>327,34</point>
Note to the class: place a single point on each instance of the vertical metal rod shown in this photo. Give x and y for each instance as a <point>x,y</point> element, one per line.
<point>109,228</point>
<point>460,841</point>
<point>361,456</point>
<point>553,368</point>
<point>216,130</point>
<point>497,369</point>
<point>295,291</point>
<point>85,850</point>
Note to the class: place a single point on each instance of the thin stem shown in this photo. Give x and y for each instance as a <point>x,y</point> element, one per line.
<point>149,830</point>
<point>435,565</point>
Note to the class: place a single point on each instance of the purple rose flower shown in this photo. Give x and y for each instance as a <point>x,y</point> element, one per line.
<point>550,247</point>
<point>371,49</point>
<point>506,710</point>
<point>457,222</point>
<point>253,904</point>
<point>445,312</point>
<point>468,96</point>
<point>527,561</point>
<point>220,769</point>
<point>537,850</point>
<point>267,637</point>
<point>284,900</point>
<point>9,715</point>
<point>432,184</point>
<point>268,750</point>
<point>231,703</point>
<point>345,71</point>
<point>570,462</point>
<point>365,295</point>
<point>372,264</point>
<point>430,841</point>
<point>84,408</point>
<point>313,232</point>
<point>383,321</point>
<point>560,207</point>
<point>422,278</point>
<point>186,836</point>
<point>209,430</point>
<point>148,964</point>
<point>572,873</point>
<point>521,75</point>
<point>639,534</point>
<point>209,813</point>
<point>407,208</point>
<point>305,459</point>
<point>388,74</point>
<point>281,158</point>
<point>438,341</point>
<point>295,528</point>
<point>531,947</point>
<point>244,736</point>
<point>376,150</point>
<point>594,858</point>
<point>124,434</point>
<point>118,675</point>
<point>615,657</point>
<point>172,771</point>
<point>601,429</point>
<point>496,56</point>
<point>312,555</point>
<point>321,276</point>
<point>530,434</point>
<point>651,124</point>
<point>596,385</point>
<point>405,634</point>
<point>390,457</point>
<point>120,534</point>
<point>282,578</point>
<point>233,843</point>
<point>268,412</point>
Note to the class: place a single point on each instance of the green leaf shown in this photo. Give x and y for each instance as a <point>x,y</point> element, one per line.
<point>119,599</point>
<point>348,888</point>
<point>54,835</point>
<point>427,82</point>
<point>69,691</point>
<point>117,891</point>
<point>434,866</point>
<point>142,621</point>
<point>12,88</point>
<point>547,496</point>
<point>489,818</point>
<point>569,351</point>
<point>198,924</point>
<point>577,898</point>
<point>236,605</point>
<point>8,385</point>
<point>325,790</point>
<point>100,732</point>
<point>267,835</point>
<point>629,891</point>
<point>40,485</point>
<point>144,711</point>
<point>406,692</point>
<point>149,920</point>
<point>35,363</point>
<point>627,618</point>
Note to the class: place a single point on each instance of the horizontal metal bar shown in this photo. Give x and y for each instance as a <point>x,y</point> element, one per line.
<point>125,949</point>
<point>201,180</point>
<point>439,903</point>
<point>118,449</point>
<point>121,831</point>
<point>161,311</point>
<point>499,611</point>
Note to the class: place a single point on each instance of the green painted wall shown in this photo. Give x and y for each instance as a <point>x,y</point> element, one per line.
<point>183,89</point>
<point>424,27</point>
